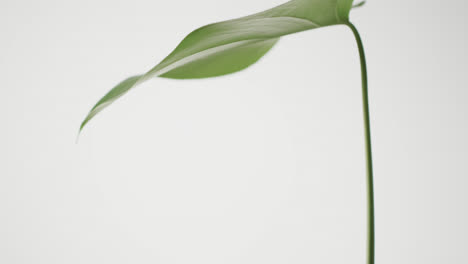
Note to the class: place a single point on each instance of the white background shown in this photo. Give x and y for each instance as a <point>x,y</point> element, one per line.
<point>264,166</point>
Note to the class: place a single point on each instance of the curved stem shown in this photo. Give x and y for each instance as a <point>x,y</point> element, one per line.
<point>367,135</point>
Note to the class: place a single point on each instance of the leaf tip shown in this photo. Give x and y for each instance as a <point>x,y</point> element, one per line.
<point>82,125</point>
<point>362,3</point>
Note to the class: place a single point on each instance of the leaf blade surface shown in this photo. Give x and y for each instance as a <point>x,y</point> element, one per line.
<point>230,46</point>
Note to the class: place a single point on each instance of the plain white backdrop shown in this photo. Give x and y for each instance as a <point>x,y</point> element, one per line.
<point>263,166</point>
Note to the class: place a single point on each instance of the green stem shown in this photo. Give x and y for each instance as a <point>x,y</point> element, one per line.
<point>367,135</point>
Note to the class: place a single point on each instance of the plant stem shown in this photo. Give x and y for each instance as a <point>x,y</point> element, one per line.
<point>367,135</point>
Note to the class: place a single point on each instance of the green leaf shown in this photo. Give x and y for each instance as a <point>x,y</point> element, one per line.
<point>233,45</point>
